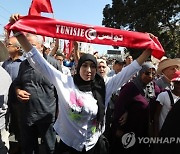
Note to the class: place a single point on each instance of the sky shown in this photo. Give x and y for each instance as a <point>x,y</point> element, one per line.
<point>79,11</point>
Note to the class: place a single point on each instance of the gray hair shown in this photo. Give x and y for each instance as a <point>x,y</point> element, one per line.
<point>38,38</point>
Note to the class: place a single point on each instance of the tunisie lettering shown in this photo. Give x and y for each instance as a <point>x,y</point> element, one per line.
<point>70,30</point>
<point>88,33</point>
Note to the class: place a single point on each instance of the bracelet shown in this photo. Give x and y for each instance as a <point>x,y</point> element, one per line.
<point>18,34</point>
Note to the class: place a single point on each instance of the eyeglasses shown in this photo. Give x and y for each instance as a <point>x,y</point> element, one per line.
<point>150,73</point>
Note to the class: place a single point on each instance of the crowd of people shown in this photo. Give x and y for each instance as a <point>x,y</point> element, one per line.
<point>73,105</point>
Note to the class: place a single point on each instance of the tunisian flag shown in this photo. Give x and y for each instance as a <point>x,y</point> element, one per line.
<point>87,33</point>
<point>38,6</point>
<point>68,48</point>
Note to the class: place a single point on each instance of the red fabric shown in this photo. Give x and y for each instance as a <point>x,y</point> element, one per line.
<point>38,6</point>
<point>65,48</point>
<point>68,48</point>
<point>87,33</point>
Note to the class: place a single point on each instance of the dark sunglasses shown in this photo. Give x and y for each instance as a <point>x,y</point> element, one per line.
<point>176,82</point>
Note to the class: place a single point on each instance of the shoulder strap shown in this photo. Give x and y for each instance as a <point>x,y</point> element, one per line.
<point>171,97</point>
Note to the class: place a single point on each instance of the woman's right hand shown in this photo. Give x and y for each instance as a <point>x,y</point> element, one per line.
<point>13,18</point>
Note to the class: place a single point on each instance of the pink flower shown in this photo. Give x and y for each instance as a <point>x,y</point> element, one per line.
<point>75,100</point>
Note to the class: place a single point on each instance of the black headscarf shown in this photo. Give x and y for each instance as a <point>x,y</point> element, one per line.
<point>97,86</point>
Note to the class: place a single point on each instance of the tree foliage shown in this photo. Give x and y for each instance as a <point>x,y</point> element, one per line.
<point>161,18</point>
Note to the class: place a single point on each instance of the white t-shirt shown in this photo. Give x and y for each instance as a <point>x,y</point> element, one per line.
<point>165,101</point>
<point>76,121</point>
<point>65,70</point>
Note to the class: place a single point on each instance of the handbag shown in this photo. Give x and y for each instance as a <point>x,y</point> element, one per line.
<point>102,145</point>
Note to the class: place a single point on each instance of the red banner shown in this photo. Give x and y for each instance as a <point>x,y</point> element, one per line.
<point>87,33</point>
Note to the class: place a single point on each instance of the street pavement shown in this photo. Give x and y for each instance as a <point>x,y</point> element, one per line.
<point>15,150</point>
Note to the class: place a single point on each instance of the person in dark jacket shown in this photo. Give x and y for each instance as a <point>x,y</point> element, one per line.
<point>37,104</point>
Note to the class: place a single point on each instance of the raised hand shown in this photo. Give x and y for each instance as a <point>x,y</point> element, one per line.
<point>14,17</point>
